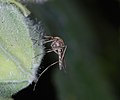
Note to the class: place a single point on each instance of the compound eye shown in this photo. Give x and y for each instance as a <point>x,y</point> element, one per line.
<point>54,45</point>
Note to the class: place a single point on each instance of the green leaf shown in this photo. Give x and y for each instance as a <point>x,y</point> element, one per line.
<point>18,63</point>
<point>21,7</point>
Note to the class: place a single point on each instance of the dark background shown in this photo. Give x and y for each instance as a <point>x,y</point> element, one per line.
<point>90,28</point>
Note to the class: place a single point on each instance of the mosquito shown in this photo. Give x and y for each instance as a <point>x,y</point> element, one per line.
<point>57,46</point>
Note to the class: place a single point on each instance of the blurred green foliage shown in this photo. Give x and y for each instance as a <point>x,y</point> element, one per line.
<point>90,29</point>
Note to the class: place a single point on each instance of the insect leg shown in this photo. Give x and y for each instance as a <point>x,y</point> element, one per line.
<point>48,37</point>
<point>48,67</point>
<point>43,73</point>
<point>63,53</point>
<point>47,41</point>
<point>48,51</point>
